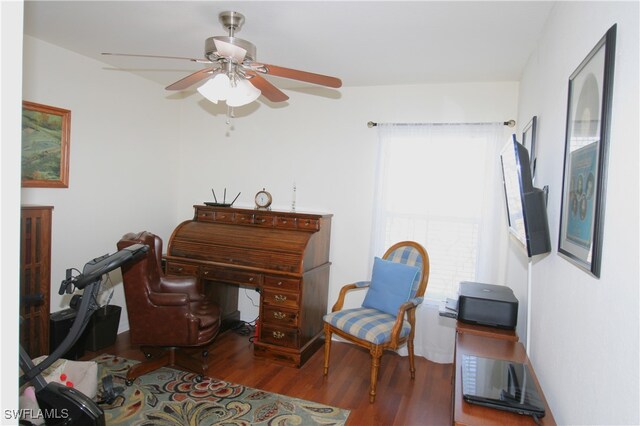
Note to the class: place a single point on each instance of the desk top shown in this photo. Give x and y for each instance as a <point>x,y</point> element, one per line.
<point>472,414</point>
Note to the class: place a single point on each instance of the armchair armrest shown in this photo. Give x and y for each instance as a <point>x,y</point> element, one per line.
<point>169,299</point>
<point>345,289</point>
<point>407,308</point>
<point>416,301</point>
<point>182,285</point>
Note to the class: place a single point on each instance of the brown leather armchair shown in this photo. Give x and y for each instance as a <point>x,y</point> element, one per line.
<point>169,317</point>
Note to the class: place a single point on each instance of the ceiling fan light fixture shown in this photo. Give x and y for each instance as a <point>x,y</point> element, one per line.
<point>242,94</point>
<point>217,88</point>
<point>236,93</point>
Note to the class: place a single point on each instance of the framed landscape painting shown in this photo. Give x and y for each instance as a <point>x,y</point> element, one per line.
<point>45,146</point>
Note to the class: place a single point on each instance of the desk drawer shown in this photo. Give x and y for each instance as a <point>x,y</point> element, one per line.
<point>231,276</point>
<point>279,317</point>
<point>244,218</point>
<point>279,283</point>
<point>177,268</point>
<point>279,336</point>
<point>263,220</point>
<point>308,224</point>
<point>284,222</point>
<point>224,217</point>
<point>204,215</point>
<point>282,299</point>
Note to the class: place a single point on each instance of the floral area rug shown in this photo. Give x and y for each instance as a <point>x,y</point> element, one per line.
<point>171,397</point>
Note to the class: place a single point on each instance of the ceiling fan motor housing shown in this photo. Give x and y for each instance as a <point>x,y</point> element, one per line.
<point>210,47</point>
<point>232,21</point>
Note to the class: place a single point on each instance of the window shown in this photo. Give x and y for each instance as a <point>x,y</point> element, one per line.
<point>438,184</point>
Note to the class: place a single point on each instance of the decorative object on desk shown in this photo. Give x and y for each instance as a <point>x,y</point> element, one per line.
<point>529,141</point>
<point>171,397</point>
<point>586,154</point>
<point>263,200</point>
<point>224,200</point>
<point>234,75</point>
<point>293,201</point>
<point>45,146</point>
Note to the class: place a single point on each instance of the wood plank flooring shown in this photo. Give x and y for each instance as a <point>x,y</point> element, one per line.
<point>400,400</point>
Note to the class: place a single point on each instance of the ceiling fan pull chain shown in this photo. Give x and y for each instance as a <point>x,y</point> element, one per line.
<point>230,115</point>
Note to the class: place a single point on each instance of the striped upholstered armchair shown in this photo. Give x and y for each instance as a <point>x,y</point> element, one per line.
<point>387,317</point>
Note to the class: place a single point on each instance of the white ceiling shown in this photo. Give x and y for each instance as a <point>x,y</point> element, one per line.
<point>365,43</point>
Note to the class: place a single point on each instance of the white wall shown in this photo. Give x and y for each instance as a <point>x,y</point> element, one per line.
<point>124,137</point>
<point>584,334</point>
<point>324,145</point>
<point>10,110</point>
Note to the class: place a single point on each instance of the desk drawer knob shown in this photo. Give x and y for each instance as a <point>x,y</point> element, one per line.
<point>280,298</point>
<point>279,315</point>
<point>250,279</point>
<point>278,334</point>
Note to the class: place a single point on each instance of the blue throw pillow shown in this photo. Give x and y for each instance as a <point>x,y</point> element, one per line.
<point>391,284</point>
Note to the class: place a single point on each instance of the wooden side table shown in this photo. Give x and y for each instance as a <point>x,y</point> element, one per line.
<point>486,331</point>
<point>474,343</point>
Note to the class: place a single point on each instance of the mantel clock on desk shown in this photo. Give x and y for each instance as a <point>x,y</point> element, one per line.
<point>284,255</point>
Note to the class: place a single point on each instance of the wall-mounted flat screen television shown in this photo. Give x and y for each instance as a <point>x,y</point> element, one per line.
<point>526,205</point>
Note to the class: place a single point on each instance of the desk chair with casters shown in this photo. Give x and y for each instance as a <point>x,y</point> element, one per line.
<point>387,317</point>
<point>169,317</point>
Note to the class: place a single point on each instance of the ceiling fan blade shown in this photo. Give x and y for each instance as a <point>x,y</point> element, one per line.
<point>228,50</point>
<point>191,79</point>
<point>268,90</point>
<point>309,77</point>
<point>200,61</point>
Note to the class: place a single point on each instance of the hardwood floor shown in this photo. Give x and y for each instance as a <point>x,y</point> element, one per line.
<point>400,400</point>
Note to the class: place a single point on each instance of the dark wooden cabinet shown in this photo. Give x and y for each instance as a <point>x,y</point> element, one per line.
<point>284,255</point>
<point>35,278</point>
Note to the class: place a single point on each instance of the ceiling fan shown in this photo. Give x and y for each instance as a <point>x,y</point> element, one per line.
<point>235,75</point>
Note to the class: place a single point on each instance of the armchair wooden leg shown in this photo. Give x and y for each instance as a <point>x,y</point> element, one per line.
<point>412,363</point>
<point>376,354</point>
<point>327,348</point>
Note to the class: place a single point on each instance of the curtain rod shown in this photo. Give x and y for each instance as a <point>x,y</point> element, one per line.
<point>510,123</point>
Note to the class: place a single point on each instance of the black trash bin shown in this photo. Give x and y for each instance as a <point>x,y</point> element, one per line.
<point>60,323</point>
<point>102,329</point>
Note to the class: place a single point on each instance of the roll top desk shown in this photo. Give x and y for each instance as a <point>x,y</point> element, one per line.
<point>283,255</point>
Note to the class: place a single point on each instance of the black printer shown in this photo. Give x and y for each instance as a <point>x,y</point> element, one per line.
<point>487,304</point>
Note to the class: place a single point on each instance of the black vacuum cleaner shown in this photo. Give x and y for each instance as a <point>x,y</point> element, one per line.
<point>60,404</point>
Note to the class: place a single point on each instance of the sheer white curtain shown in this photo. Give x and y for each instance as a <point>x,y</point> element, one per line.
<point>440,185</point>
